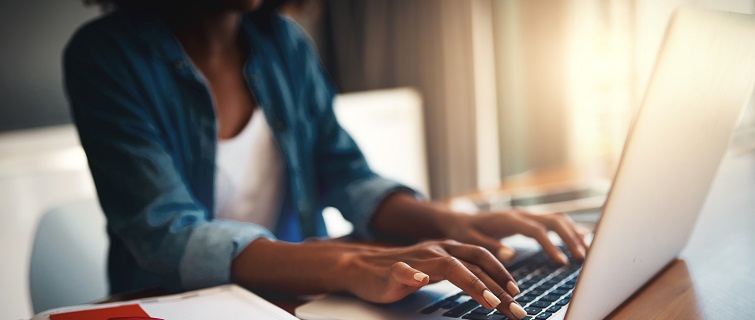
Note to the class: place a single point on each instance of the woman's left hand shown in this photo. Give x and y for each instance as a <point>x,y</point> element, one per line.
<point>487,230</point>
<point>403,215</point>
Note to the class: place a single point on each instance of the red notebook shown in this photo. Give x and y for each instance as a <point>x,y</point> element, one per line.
<point>131,310</point>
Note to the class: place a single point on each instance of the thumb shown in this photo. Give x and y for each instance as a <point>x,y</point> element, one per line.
<point>503,252</point>
<point>404,274</point>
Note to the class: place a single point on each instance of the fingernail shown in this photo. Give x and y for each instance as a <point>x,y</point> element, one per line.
<point>512,288</point>
<point>491,298</point>
<point>505,254</point>
<point>419,276</point>
<point>581,251</point>
<point>562,258</point>
<point>517,310</point>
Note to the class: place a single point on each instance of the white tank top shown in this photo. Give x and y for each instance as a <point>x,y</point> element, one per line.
<point>249,175</point>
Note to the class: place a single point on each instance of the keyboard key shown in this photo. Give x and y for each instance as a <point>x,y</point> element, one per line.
<point>456,296</point>
<point>474,316</point>
<point>498,317</point>
<point>482,310</point>
<point>560,276</point>
<point>542,274</point>
<point>549,298</point>
<point>529,283</point>
<point>554,308</point>
<point>540,304</point>
<point>532,310</point>
<point>448,304</point>
<point>562,302</point>
<point>559,292</point>
<point>566,286</point>
<point>535,292</point>
<point>462,309</point>
<point>432,308</point>
<point>551,282</point>
<point>525,299</point>
<point>544,315</point>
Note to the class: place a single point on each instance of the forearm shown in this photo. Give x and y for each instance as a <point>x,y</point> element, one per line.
<point>310,267</point>
<point>403,215</point>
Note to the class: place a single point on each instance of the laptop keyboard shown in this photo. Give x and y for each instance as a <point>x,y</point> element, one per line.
<point>545,288</point>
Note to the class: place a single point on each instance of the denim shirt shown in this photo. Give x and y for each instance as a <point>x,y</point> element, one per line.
<point>147,123</point>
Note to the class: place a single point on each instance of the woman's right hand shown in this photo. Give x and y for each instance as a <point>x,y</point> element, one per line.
<point>377,274</point>
<point>388,275</point>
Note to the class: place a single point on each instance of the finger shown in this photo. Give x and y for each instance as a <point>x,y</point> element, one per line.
<point>404,274</point>
<point>482,258</point>
<point>564,227</point>
<point>455,272</point>
<point>583,234</point>
<point>503,252</point>
<point>505,298</point>
<point>539,232</point>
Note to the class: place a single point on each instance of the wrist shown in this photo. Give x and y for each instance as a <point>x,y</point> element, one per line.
<point>402,215</point>
<point>447,222</point>
<point>344,273</point>
<point>352,267</point>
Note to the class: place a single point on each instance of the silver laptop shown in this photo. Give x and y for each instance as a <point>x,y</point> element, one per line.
<point>702,79</point>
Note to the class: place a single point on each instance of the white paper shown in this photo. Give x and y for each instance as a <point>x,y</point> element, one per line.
<point>228,302</point>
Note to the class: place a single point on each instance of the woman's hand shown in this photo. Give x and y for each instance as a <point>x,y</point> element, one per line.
<point>377,274</point>
<point>389,275</point>
<point>403,215</point>
<point>486,230</point>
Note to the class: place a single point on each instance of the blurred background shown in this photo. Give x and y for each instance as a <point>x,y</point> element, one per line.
<point>499,87</point>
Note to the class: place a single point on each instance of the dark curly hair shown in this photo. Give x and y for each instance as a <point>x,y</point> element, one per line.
<point>261,16</point>
<point>131,5</point>
<point>159,4</point>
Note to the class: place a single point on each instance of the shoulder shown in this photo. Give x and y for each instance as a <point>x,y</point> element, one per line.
<point>291,31</point>
<point>284,33</point>
<point>108,34</point>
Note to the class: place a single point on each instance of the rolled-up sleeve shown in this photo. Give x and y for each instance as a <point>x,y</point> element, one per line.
<point>363,198</point>
<point>209,249</point>
<point>143,193</point>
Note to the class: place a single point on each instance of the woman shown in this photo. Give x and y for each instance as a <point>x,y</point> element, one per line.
<point>210,133</point>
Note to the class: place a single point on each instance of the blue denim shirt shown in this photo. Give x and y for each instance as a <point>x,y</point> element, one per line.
<point>147,123</point>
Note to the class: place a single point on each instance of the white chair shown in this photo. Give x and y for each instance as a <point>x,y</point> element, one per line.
<point>68,257</point>
<point>388,127</point>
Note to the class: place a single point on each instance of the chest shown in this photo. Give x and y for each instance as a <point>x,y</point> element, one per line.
<point>230,93</point>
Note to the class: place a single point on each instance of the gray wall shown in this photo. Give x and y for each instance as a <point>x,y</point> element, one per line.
<point>32,36</point>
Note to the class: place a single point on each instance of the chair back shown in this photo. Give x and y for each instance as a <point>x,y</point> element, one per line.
<point>68,258</point>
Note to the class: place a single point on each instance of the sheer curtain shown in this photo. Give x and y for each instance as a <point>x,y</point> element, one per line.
<point>494,74</point>
<point>509,85</point>
<point>425,44</point>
